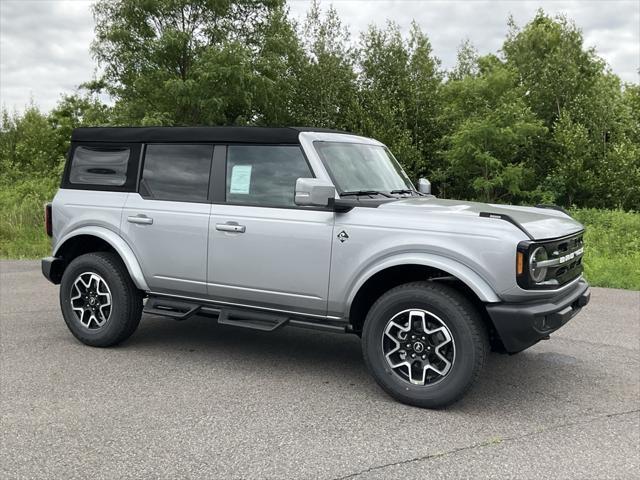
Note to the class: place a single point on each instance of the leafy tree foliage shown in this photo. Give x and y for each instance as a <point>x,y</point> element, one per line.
<point>181,62</point>
<point>28,145</point>
<point>543,120</point>
<point>491,145</point>
<point>326,89</point>
<point>399,95</point>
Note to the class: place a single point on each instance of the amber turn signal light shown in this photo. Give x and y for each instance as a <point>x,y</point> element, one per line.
<point>519,263</point>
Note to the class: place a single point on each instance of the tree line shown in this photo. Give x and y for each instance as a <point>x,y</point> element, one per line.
<point>543,120</point>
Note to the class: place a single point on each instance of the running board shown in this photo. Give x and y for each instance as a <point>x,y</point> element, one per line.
<point>263,320</point>
<point>170,308</point>
<point>267,322</point>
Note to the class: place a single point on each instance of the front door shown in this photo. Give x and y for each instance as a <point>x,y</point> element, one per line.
<point>167,222</point>
<point>264,250</point>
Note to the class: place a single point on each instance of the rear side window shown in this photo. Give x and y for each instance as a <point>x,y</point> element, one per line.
<point>176,172</point>
<point>106,166</point>
<point>264,175</point>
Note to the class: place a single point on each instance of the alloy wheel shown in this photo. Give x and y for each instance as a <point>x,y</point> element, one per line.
<point>418,346</point>
<point>91,300</point>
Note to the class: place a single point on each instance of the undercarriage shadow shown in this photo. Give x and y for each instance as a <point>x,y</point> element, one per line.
<point>516,383</point>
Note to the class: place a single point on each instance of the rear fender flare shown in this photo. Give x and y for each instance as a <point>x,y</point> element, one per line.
<point>119,245</point>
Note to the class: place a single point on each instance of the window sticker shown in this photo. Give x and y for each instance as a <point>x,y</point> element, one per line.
<point>240,179</point>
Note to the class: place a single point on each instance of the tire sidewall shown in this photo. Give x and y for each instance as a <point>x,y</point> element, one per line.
<point>457,380</point>
<point>118,315</point>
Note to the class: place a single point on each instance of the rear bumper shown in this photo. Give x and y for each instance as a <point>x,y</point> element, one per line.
<point>521,325</point>
<point>52,268</point>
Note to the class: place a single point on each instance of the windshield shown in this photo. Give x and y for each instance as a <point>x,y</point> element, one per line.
<point>357,167</point>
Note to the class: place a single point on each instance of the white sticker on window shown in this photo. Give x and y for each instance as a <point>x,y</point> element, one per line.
<point>240,179</point>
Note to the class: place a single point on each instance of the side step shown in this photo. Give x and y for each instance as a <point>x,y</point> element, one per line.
<point>267,322</point>
<point>238,317</point>
<point>170,308</point>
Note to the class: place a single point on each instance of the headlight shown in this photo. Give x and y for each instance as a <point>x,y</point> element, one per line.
<point>538,273</point>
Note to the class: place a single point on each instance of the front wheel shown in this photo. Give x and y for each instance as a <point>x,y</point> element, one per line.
<point>100,303</point>
<point>424,344</point>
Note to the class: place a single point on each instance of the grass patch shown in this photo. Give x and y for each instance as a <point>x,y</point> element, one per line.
<point>612,241</point>
<point>612,247</point>
<point>22,232</point>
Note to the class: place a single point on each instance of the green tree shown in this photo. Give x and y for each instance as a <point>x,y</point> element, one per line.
<point>278,66</point>
<point>573,173</point>
<point>181,62</point>
<point>77,110</point>
<point>493,137</point>
<point>581,103</point>
<point>466,62</point>
<point>546,120</point>
<point>618,183</point>
<point>552,64</point>
<point>399,95</point>
<point>29,146</point>
<point>326,89</point>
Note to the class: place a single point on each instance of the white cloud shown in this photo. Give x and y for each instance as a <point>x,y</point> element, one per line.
<point>44,44</point>
<point>44,50</point>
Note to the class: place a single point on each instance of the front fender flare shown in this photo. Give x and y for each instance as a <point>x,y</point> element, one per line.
<point>119,245</point>
<point>463,273</point>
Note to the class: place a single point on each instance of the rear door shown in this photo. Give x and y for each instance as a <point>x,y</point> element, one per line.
<point>166,222</point>
<point>264,250</point>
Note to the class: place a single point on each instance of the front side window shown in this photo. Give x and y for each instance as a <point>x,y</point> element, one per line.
<point>264,175</point>
<point>176,172</point>
<point>362,167</point>
<point>99,166</point>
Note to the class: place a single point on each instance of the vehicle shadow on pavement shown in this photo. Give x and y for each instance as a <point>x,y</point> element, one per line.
<point>520,383</point>
<point>201,334</point>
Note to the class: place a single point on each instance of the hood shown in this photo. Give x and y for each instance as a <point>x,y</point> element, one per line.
<point>539,223</point>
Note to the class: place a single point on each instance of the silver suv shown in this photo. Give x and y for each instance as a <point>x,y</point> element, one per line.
<point>266,227</point>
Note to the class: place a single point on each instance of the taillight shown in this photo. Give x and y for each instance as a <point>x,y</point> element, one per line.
<point>47,220</point>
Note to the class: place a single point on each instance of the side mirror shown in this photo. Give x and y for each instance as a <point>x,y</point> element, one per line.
<point>314,192</point>
<point>424,186</point>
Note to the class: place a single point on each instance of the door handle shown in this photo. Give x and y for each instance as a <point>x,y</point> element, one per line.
<point>231,227</point>
<point>140,219</point>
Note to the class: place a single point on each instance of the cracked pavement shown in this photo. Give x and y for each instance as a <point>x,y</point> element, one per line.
<point>194,399</point>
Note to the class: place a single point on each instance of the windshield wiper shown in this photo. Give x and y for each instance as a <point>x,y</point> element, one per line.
<point>401,191</point>
<point>357,193</point>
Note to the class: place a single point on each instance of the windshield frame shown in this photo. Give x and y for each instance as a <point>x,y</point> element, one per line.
<point>394,163</point>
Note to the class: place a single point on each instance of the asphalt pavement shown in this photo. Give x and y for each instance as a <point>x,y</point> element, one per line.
<point>196,400</point>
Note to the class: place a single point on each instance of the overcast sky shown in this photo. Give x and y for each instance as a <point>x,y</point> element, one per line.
<point>44,44</point>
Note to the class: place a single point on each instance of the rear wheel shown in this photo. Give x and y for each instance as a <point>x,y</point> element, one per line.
<point>424,344</point>
<point>100,304</point>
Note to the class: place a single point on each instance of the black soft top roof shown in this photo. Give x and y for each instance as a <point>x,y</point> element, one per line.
<point>260,135</point>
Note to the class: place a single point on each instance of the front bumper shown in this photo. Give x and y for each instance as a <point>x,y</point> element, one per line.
<point>521,325</point>
<point>52,268</point>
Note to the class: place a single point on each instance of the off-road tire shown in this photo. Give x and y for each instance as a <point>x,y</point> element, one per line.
<point>126,299</point>
<point>462,320</point>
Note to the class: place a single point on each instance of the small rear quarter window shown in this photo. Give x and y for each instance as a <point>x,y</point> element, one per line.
<point>99,166</point>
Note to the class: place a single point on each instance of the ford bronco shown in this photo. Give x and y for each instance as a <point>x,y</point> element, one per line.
<point>267,227</point>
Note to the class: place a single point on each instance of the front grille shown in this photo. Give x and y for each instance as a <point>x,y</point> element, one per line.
<point>569,250</point>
